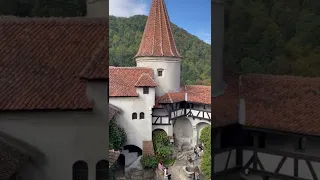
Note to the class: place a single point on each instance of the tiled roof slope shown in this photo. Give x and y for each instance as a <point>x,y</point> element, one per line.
<point>96,69</point>
<point>225,107</point>
<point>145,80</point>
<point>41,60</point>
<point>123,80</point>
<point>282,103</point>
<point>190,93</point>
<point>157,39</point>
<point>113,111</point>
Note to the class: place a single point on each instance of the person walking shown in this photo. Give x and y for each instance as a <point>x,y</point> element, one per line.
<point>160,169</point>
<point>195,151</point>
<point>196,173</point>
<point>167,175</point>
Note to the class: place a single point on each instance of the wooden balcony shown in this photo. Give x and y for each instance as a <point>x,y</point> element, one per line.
<point>266,163</point>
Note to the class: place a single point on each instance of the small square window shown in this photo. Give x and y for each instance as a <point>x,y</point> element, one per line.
<point>145,90</point>
<point>160,72</point>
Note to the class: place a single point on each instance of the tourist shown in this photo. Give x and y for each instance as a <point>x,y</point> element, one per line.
<point>196,173</point>
<point>195,152</point>
<point>201,153</point>
<point>167,175</point>
<point>160,168</point>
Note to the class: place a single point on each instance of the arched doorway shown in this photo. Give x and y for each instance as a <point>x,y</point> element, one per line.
<point>200,127</point>
<point>130,154</point>
<point>183,131</point>
<point>158,131</point>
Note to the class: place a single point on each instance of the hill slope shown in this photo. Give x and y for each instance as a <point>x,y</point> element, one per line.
<point>124,40</point>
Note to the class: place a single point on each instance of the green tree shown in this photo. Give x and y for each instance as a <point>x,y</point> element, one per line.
<point>117,135</point>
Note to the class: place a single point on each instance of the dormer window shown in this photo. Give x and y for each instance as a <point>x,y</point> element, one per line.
<point>145,90</point>
<point>160,72</point>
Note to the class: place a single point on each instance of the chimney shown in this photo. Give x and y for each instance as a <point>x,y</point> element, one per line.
<point>217,36</point>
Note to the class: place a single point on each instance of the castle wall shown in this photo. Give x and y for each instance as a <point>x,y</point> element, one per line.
<point>138,130</point>
<point>170,79</point>
<point>62,137</point>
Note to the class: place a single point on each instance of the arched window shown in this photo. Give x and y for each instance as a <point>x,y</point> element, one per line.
<point>80,170</point>
<point>102,170</point>
<point>134,116</point>
<point>141,115</point>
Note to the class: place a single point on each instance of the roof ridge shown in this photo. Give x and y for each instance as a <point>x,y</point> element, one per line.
<point>157,39</point>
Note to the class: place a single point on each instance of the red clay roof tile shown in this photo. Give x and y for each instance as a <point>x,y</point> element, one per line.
<point>145,80</point>
<point>96,69</point>
<point>224,108</point>
<point>190,93</point>
<point>113,110</point>
<point>41,60</point>
<point>123,79</point>
<point>284,103</point>
<point>157,39</point>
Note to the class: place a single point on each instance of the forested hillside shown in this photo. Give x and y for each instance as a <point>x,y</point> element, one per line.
<point>273,36</point>
<point>262,36</point>
<point>124,40</point>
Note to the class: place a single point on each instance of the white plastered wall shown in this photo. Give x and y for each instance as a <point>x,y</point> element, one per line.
<point>170,79</point>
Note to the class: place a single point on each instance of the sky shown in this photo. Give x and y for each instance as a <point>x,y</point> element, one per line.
<point>192,15</point>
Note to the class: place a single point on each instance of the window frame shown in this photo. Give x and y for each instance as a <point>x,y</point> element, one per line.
<point>142,113</point>
<point>161,71</point>
<point>134,116</point>
<point>145,90</point>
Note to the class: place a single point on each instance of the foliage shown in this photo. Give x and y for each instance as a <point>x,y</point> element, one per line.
<point>265,36</point>
<point>117,135</point>
<point>124,39</point>
<point>148,162</point>
<point>43,8</point>
<point>206,165</point>
<point>272,37</point>
<point>205,138</point>
<point>112,170</point>
<point>161,144</point>
<point>169,162</point>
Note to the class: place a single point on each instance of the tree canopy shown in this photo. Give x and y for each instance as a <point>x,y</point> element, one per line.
<point>124,39</point>
<point>261,36</point>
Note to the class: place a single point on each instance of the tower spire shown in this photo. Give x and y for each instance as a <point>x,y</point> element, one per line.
<point>157,39</point>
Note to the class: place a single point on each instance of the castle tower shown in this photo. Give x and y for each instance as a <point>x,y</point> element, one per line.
<point>158,50</point>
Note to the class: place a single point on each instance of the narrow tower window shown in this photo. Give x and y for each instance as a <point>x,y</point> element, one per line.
<point>80,170</point>
<point>160,72</point>
<point>145,90</point>
<point>134,115</point>
<point>141,115</point>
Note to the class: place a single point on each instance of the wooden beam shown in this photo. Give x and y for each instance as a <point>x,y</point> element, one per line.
<point>280,164</point>
<point>313,173</point>
<point>228,159</point>
<point>284,154</point>
<point>276,176</point>
<point>295,167</point>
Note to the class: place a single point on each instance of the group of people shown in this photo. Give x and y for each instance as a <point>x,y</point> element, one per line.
<point>164,171</point>
<point>198,151</point>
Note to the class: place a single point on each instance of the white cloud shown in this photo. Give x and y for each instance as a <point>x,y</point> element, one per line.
<point>127,8</point>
